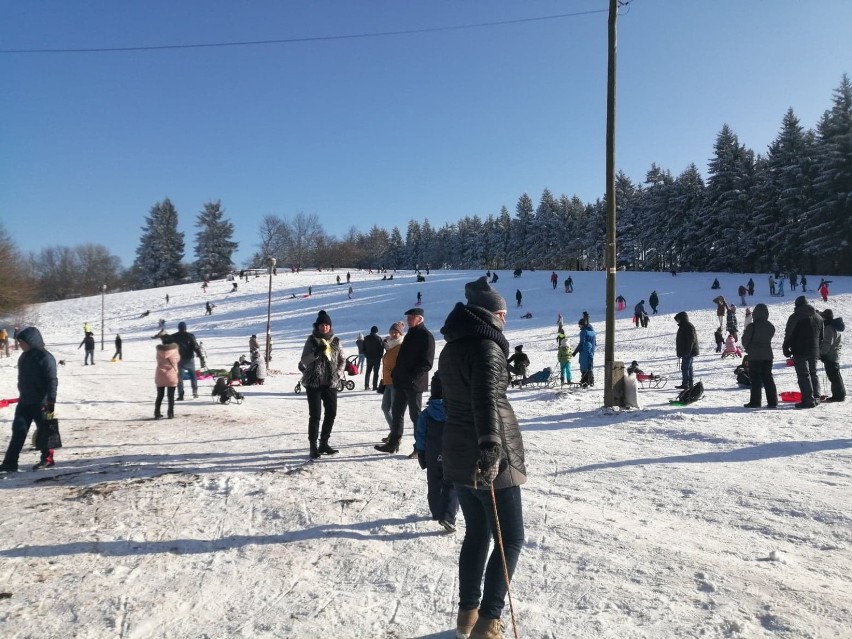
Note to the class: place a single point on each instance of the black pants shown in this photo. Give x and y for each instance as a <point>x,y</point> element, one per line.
<point>161,392</point>
<point>25,415</point>
<point>442,495</point>
<point>832,371</point>
<point>322,399</point>
<point>373,366</point>
<point>403,398</point>
<point>806,375</point>
<point>760,374</point>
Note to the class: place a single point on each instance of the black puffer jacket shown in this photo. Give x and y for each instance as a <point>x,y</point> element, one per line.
<point>804,333</point>
<point>322,360</point>
<point>686,340</point>
<point>474,376</point>
<point>415,360</point>
<point>36,370</point>
<point>757,338</point>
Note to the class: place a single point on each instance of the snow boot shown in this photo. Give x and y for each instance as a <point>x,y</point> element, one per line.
<point>465,621</point>
<point>487,629</point>
<point>389,447</point>
<point>315,454</point>
<point>325,449</point>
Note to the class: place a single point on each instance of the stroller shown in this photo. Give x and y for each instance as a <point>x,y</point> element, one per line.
<point>342,383</point>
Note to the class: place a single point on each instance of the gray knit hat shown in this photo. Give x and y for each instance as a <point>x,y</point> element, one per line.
<point>479,293</point>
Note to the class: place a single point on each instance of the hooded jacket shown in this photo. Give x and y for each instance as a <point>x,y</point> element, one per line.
<point>686,340</point>
<point>429,432</point>
<point>37,380</point>
<point>168,359</point>
<point>831,339</point>
<point>757,338</point>
<point>373,346</point>
<point>586,347</point>
<point>474,375</point>
<point>187,346</point>
<point>804,332</point>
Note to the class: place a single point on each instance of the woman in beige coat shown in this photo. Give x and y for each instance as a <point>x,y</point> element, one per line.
<point>166,377</point>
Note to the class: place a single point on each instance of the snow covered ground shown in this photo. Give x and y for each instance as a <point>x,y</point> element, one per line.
<point>710,520</point>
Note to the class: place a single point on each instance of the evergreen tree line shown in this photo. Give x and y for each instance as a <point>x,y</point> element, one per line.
<point>790,208</point>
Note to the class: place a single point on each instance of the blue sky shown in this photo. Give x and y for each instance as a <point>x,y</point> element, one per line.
<point>378,130</point>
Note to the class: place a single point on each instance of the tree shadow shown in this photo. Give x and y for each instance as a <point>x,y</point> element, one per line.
<point>748,454</point>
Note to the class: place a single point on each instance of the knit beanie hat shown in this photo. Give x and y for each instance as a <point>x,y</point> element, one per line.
<point>398,326</point>
<point>801,301</point>
<point>479,293</point>
<point>322,318</point>
<point>182,326</point>
<point>827,315</point>
<point>374,329</point>
<point>437,390</point>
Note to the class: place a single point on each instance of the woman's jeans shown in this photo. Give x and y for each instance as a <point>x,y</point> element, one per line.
<point>489,596</point>
<point>387,403</point>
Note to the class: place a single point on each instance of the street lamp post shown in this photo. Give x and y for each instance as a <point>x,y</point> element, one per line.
<point>103,293</point>
<point>272,262</point>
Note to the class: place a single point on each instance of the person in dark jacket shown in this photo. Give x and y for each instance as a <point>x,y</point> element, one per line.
<point>686,345</point>
<point>322,361</point>
<point>654,301</point>
<point>410,376</point>
<point>757,341</point>
<point>373,351</point>
<point>117,348</point>
<point>482,450</point>
<point>441,494</point>
<point>37,385</point>
<point>750,286</point>
<point>519,362</point>
<point>640,316</point>
<point>721,309</point>
<point>188,348</point>
<point>89,343</point>
<point>829,354</point>
<point>519,297</point>
<point>802,341</point>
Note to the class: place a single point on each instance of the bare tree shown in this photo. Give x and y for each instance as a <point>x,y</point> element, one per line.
<point>307,232</point>
<point>16,286</point>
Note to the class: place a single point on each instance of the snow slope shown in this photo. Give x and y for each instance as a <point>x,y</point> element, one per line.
<point>710,520</point>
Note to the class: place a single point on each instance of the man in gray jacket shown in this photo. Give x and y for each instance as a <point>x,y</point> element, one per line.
<point>829,353</point>
<point>757,341</point>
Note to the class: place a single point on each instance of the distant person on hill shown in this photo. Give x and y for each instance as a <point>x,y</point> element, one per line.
<point>731,325</point>
<point>721,309</point>
<point>654,301</point>
<point>554,279</point>
<point>518,297</point>
<point>719,339</point>
<point>166,378</point>
<point>750,287</point>
<point>374,348</point>
<point>715,286</point>
<point>117,355</point>
<point>89,343</point>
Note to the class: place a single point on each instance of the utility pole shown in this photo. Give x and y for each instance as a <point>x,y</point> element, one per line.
<point>610,257</point>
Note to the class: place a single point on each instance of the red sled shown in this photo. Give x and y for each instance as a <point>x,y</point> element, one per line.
<point>8,402</point>
<point>790,396</point>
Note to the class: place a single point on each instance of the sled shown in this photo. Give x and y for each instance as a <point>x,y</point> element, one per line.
<point>793,397</point>
<point>649,380</point>
<point>689,395</point>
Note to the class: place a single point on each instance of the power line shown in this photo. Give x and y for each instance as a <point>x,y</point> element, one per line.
<point>356,36</point>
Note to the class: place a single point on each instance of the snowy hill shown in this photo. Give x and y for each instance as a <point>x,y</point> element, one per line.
<point>710,520</point>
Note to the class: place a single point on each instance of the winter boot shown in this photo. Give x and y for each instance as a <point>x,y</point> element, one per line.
<point>389,447</point>
<point>464,622</point>
<point>158,415</point>
<point>314,451</point>
<point>487,629</point>
<point>325,449</point>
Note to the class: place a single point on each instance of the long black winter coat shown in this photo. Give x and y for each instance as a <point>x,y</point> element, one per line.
<point>36,371</point>
<point>415,360</point>
<point>187,346</point>
<point>474,375</point>
<point>804,333</point>
<point>322,359</point>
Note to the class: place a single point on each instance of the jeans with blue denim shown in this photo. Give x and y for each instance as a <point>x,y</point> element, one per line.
<point>686,370</point>
<point>474,560</point>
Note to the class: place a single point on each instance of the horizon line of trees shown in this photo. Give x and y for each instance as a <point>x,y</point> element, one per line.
<point>789,209</point>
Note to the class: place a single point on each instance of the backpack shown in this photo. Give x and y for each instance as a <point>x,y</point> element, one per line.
<point>692,394</point>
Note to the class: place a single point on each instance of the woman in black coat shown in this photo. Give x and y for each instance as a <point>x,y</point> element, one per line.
<point>482,450</point>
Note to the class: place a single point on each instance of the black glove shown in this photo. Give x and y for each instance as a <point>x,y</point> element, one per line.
<point>421,459</point>
<point>488,464</point>
<point>49,407</point>
<point>787,352</point>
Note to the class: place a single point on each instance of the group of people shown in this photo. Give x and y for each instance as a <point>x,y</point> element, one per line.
<point>467,437</point>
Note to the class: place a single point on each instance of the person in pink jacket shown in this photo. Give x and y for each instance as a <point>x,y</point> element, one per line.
<point>166,377</point>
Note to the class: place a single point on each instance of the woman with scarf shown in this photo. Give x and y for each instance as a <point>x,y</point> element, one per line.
<point>322,362</point>
<point>483,455</point>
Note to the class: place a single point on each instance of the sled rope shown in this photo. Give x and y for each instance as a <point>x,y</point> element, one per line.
<point>503,557</point>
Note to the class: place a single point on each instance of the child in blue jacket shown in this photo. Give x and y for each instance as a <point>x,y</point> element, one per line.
<point>442,496</point>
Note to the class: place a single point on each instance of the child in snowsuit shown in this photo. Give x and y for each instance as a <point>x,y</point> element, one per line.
<point>441,495</point>
<point>720,341</point>
<point>731,347</point>
<point>563,356</point>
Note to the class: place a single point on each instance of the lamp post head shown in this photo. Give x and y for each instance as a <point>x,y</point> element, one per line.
<point>272,261</point>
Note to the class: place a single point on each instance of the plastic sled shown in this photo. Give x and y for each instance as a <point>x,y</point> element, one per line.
<point>790,396</point>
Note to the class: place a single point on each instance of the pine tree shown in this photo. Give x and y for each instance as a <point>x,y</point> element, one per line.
<point>830,215</point>
<point>213,245</point>
<point>161,247</point>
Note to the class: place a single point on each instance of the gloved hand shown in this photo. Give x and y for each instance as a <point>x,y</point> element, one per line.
<point>203,363</point>
<point>49,407</point>
<point>787,352</point>
<point>421,459</point>
<point>488,464</point>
